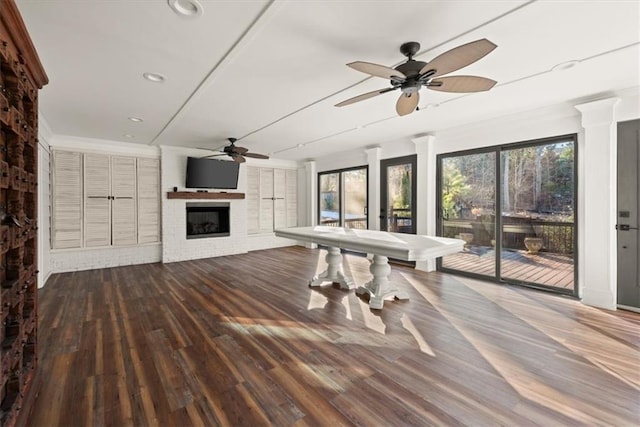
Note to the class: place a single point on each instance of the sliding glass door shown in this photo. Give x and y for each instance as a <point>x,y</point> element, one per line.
<point>342,198</point>
<point>468,203</point>
<point>538,200</point>
<point>532,185</point>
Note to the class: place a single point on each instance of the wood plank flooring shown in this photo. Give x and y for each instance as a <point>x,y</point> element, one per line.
<point>242,341</point>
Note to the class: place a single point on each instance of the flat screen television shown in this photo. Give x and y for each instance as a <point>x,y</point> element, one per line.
<point>212,173</point>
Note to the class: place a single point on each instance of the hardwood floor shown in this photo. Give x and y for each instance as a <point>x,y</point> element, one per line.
<point>242,341</point>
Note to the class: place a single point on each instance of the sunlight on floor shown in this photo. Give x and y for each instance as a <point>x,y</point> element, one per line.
<point>407,323</point>
<point>316,300</point>
<point>546,321</point>
<point>524,382</point>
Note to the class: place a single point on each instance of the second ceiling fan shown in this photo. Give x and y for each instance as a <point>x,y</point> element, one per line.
<point>238,154</point>
<point>412,75</point>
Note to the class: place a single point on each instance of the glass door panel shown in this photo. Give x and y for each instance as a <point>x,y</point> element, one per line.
<point>329,203</point>
<point>537,187</point>
<point>398,195</point>
<point>342,198</point>
<point>467,202</point>
<point>355,198</point>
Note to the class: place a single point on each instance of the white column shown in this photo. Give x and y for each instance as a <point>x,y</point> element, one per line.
<point>426,191</point>
<point>597,219</point>
<point>373,160</point>
<point>311,217</point>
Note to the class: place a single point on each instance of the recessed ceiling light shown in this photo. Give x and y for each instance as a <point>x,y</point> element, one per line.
<point>154,77</point>
<point>300,145</point>
<point>128,135</point>
<point>136,119</point>
<point>187,8</point>
<point>565,65</point>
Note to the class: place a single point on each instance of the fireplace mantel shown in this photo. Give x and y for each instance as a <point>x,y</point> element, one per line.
<point>203,195</point>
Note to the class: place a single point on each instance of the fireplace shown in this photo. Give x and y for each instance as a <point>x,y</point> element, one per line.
<point>207,220</point>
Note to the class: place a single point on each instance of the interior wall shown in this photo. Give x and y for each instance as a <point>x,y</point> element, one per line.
<point>176,247</point>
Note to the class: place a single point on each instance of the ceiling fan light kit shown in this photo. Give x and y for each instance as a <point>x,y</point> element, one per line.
<point>412,75</point>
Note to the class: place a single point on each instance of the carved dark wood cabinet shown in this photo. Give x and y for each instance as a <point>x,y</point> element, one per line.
<point>21,75</point>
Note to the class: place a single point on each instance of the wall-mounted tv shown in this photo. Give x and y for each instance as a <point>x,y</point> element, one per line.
<point>212,173</point>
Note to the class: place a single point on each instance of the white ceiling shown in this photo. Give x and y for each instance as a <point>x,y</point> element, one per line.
<point>270,72</point>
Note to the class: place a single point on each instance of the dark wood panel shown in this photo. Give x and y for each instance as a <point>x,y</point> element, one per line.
<point>203,195</point>
<point>243,341</point>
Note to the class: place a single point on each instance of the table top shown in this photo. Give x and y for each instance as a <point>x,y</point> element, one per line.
<point>408,247</point>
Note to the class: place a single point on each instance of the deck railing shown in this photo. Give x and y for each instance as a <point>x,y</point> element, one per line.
<point>359,223</point>
<point>557,236</point>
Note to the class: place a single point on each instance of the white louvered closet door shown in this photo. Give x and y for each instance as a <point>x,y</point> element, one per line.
<point>266,200</point>
<point>66,218</point>
<point>123,203</point>
<point>148,200</point>
<point>292,197</point>
<point>253,200</point>
<point>97,203</point>
<point>279,202</point>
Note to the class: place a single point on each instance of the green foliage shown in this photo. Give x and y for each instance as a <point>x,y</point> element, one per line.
<point>404,201</point>
<point>454,189</point>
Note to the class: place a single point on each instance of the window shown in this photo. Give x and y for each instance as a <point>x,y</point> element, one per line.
<point>342,198</point>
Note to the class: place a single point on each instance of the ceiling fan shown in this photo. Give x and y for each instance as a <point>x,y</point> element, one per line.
<point>238,154</point>
<point>412,75</point>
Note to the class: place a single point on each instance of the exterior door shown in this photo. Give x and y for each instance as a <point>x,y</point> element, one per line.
<point>628,207</point>
<point>342,198</point>
<point>514,206</point>
<point>398,195</point>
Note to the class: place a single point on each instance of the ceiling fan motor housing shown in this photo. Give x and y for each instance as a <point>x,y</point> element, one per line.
<point>411,69</point>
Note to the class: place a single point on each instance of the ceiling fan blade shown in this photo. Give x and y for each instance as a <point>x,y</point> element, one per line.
<point>256,155</point>
<point>376,70</point>
<point>240,150</point>
<point>214,155</point>
<point>458,57</point>
<point>461,84</point>
<point>365,96</point>
<point>239,159</point>
<point>407,103</point>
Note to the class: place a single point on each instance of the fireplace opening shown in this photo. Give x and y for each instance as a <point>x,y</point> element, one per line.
<point>207,220</point>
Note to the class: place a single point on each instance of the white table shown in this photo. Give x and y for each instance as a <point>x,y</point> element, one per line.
<point>383,245</point>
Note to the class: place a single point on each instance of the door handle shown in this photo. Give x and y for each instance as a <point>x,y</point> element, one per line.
<point>625,227</point>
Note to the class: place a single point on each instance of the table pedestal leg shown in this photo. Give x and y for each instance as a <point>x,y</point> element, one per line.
<point>333,273</point>
<point>379,288</point>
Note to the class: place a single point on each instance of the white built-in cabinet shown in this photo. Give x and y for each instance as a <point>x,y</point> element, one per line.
<point>104,200</point>
<point>66,206</point>
<point>271,199</point>
<point>148,200</point>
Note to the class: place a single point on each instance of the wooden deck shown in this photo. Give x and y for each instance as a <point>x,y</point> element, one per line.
<point>545,268</point>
